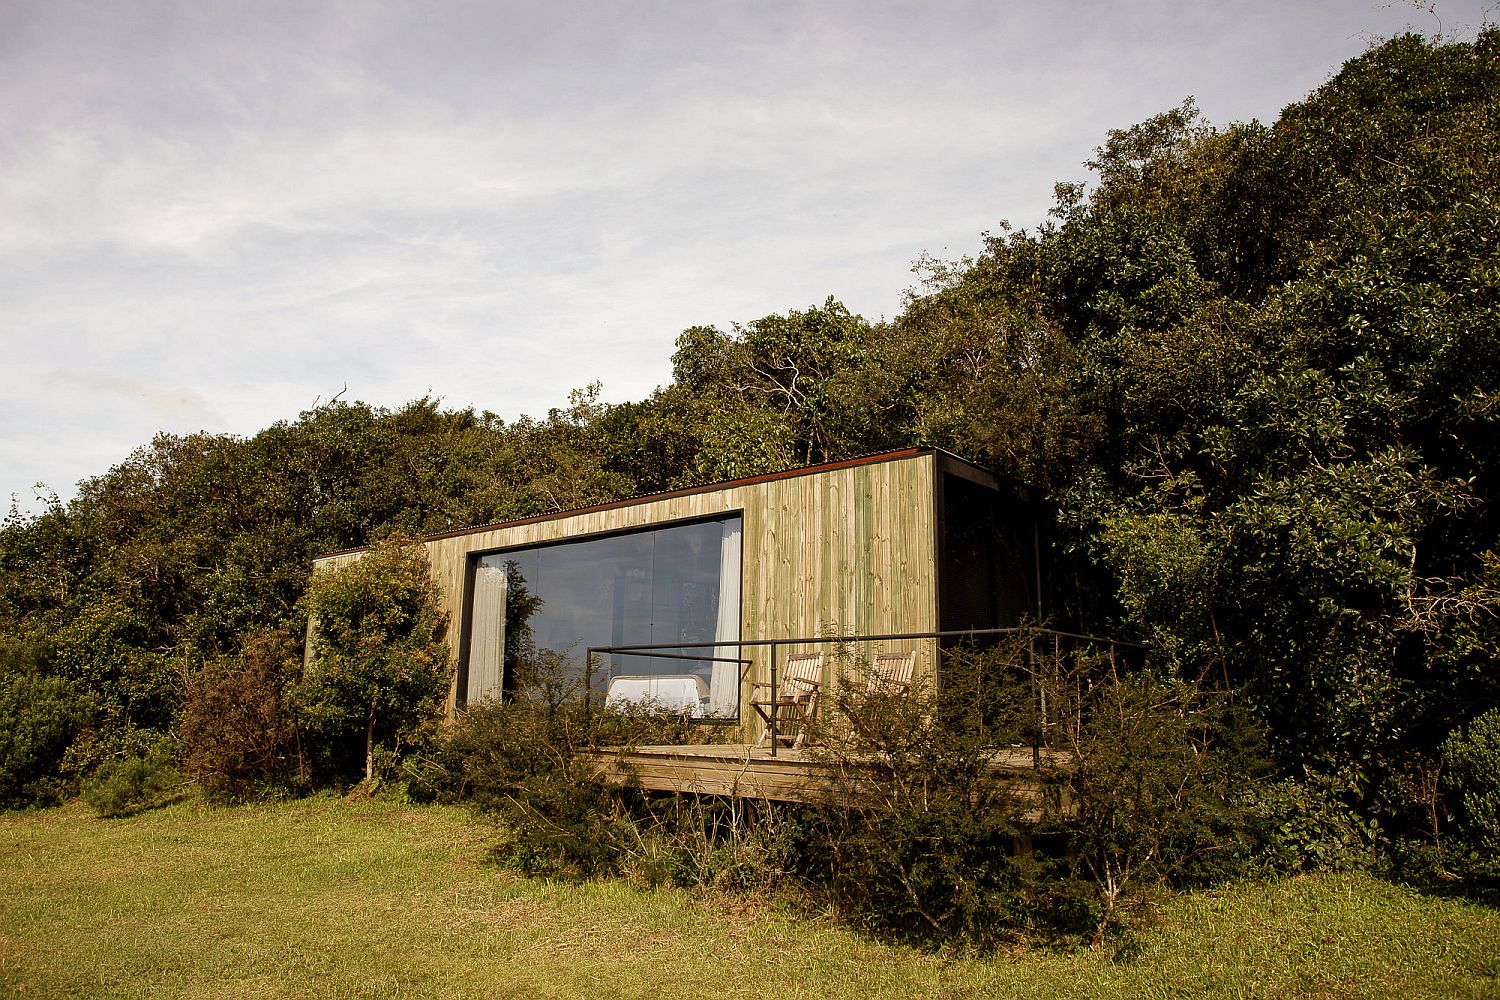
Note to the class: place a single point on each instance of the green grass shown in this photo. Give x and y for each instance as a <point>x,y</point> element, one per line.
<point>330,898</point>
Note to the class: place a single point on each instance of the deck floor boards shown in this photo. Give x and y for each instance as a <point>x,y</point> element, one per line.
<point>792,775</point>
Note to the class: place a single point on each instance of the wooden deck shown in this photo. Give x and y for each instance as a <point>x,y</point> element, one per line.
<point>749,771</point>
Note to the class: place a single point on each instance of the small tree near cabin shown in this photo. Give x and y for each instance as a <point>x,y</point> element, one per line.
<point>378,662</point>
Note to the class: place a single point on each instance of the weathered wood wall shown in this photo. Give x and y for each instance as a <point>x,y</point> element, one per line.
<point>847,549</point>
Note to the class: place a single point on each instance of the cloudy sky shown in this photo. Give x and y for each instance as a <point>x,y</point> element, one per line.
<point>213,215</point>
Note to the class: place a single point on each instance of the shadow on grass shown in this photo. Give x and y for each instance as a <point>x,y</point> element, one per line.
<point>127,812</point>
<point>1469,878</point>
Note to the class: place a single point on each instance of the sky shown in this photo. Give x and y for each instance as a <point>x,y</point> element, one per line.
<point>214,216</point>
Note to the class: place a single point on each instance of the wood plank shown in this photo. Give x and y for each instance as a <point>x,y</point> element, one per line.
<point>792,776</point>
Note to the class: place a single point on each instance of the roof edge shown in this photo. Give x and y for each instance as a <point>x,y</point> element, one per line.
<point>725,484</point>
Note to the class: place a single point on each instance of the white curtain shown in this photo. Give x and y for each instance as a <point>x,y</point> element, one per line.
<point>724,687</point>
<point>487,634</point>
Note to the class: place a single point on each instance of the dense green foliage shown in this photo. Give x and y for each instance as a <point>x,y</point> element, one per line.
<point>1472,759</point>
<point>922,846</point>
<point>40,716</point>
<point>525,760</point>
<point>918,837</point>
<point>127,785</point>
<point>1143,779</point>
<point>378,662</point>
<point>1253,371</point>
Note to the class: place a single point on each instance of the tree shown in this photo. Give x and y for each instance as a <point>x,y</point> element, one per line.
<point>378,663</point>
<point>777,392</point>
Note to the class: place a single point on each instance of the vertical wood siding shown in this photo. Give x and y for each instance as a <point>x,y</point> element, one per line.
<point>849,550</point>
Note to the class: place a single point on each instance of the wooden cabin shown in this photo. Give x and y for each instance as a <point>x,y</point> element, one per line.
<point>916,540</point>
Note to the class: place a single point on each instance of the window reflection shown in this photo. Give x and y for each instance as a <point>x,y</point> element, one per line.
<point>677,584</point>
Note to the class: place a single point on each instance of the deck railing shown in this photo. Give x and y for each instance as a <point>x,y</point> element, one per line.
<point>1036,634</point>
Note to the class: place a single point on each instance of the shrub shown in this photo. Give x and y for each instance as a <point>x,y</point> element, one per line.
<point>135,783</point>
<point>921,839</point>
<point>495,747</point>
<point>379,663</point>
<point>1471,761</point>
<point>741,845</point>
<point>1158,773</point>
<point>112,741</point>
<point>520,761</point>
<point>237,732</point>
<point>40,716</point>
<point>1309,824</point>
<point>523,761</point>
<point>1141,780</point>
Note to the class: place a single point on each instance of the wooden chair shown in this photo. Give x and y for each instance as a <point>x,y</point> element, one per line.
<point>888,683</point>
<point>799,685</point>
<point>891,673</point>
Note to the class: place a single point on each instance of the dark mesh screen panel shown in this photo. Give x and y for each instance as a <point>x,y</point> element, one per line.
<point>987,566</point>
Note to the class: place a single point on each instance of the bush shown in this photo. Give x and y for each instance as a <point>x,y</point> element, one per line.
<point>1141,781</point>
<point>1309,824</point>
<point>40,716</point>
<point>113,741</point>
<point>237,733</point>
<point>520,763</point>
<point>742,845</point>
<point>523,761</point>
<point>1471,781</point>
<point>1158,773</point>
<point>133,784</point>
<point>495,747</point>
<point>921,839</point>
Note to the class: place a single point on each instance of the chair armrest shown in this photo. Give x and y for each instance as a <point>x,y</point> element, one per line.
<point>784,694</point>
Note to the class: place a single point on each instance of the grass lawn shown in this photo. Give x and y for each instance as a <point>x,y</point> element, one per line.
<point>331,898</point>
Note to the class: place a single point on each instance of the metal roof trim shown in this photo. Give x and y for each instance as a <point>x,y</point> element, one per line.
<point>806,470</point>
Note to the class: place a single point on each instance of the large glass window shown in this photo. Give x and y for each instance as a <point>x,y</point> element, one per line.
<point>536,611</point>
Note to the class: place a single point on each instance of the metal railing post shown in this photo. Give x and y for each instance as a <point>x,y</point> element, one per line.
<point>1038,733</point>
<point>588,692</point>
<point>775,697</point>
